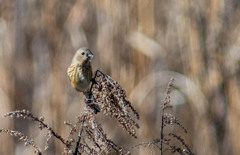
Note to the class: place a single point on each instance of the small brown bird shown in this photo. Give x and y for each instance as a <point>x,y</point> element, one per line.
<point>80,70</point>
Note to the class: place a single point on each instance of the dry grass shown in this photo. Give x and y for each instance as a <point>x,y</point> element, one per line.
<point>196,42</point>
<point>108,97</point>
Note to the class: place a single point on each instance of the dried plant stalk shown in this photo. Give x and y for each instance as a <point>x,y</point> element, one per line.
<point>166,138</point>
<point>92,139</point>
<point>111,98</point>
<point>24,139</point>
<point>26,114</point>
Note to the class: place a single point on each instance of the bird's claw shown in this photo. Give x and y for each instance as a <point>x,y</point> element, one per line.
<point>95,108</point>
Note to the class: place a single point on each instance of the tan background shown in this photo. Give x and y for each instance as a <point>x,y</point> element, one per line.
<point>141,44</point>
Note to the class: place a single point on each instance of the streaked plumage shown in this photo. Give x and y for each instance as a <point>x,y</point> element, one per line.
<point>80,70</point>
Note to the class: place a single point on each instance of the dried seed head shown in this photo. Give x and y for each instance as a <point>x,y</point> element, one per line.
<point>111,98</point>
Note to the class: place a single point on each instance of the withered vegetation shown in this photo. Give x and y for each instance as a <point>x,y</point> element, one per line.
<point>108,97</point>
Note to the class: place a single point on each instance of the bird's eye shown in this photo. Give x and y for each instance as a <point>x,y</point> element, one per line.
<point>83,53</point>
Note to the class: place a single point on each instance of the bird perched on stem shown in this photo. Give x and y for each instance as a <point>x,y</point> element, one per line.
<point>80,75</point>
<point>80,70</point>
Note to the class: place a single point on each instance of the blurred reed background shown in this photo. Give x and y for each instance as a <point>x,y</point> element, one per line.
<point>141,44</point>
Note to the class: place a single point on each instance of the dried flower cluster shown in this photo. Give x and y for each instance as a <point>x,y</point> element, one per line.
<point>178,149</point>
<point>92,133</point>
<point>26,114</point>
<point>111,98</point>
<point>91,138</point>
<point>163,143</point>
<point>24,139</point>
<point>169,119</point>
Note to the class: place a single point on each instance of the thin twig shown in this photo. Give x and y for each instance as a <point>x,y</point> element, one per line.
<point>27,114</point>
<point>161,136</point>
<point>79,137</point>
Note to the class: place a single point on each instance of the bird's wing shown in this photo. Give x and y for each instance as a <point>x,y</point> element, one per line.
<point>72,73</point>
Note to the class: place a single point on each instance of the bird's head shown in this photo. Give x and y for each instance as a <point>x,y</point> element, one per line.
<point>83,55</point>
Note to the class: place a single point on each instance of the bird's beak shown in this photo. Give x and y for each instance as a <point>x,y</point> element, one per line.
<point>90,56</point>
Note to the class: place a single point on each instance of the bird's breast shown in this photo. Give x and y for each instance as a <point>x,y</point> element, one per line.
<point>82,80</point>
<point>80,76</point>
